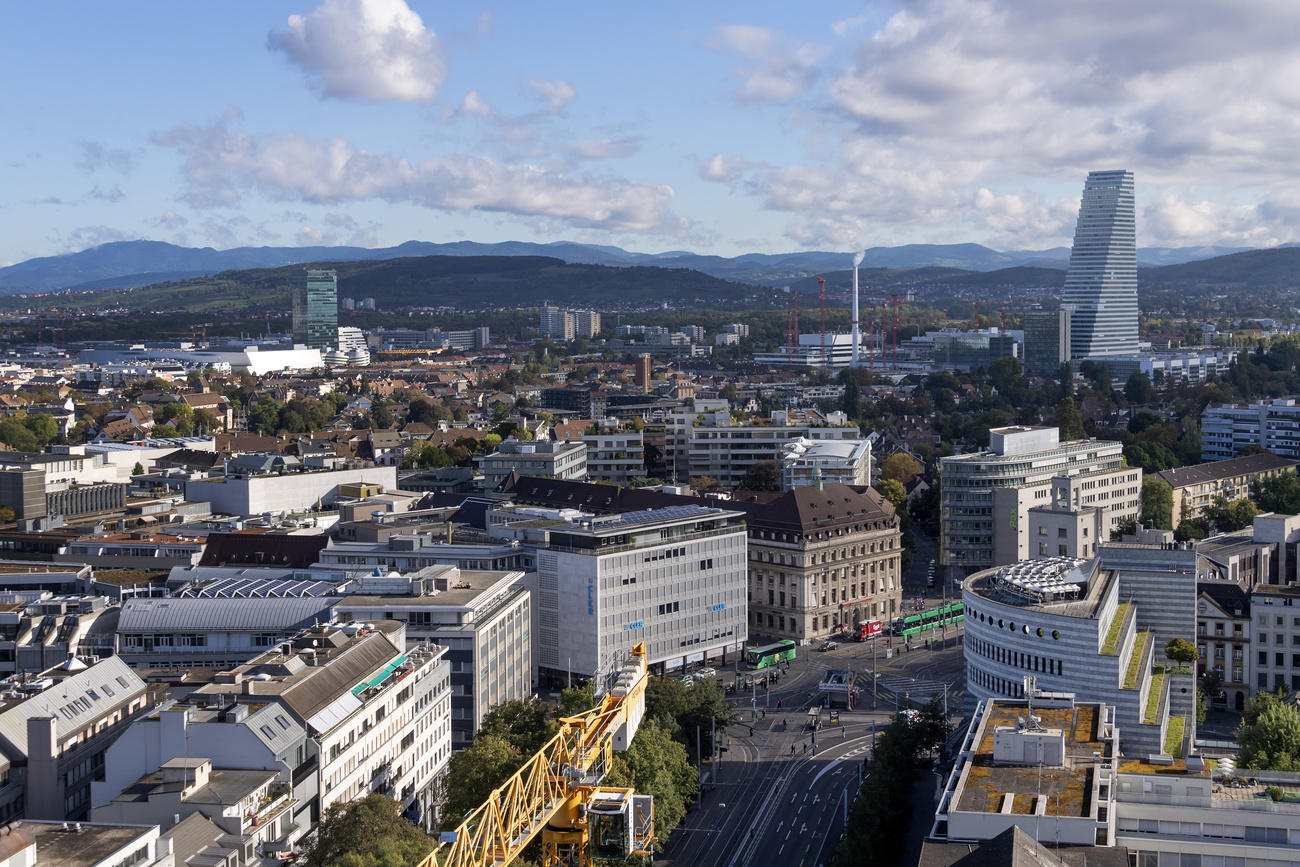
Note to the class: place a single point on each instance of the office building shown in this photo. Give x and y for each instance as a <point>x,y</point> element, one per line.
<point>822,558</point>
<point>1023,459</point>
<point>89,844</point>
<point>1079,513</point>
<point>249,489</point>
<point>1094,627</point>
<point>1047,341</point>
<point>643,372</point>
<point>707,441</point>
<point>1194,365</point>
<point>316,310</point>
<point>806,462</point>
<point>1101,283</point>
<point>671,577</point>
<point>484,619</point>
<point>1273,425</point>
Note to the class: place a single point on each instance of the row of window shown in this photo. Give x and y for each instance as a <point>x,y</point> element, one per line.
<point>1014,658</point>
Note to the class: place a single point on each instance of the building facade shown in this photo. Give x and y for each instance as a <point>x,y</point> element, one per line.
<point>1273,425</point>
<point>563,460</point>
<point>1047,341</point>
<point>1101,283</point>
<point>1023,460</point>
<point>316,310</point>
<point>1195,488</point>
<point>822,558</point>
<point>616,456</point>
<point>805,461</point>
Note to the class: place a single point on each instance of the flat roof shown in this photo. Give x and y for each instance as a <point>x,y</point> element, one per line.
<point>93,843</point>
<point>462,593</point>
<point>1067,788</point>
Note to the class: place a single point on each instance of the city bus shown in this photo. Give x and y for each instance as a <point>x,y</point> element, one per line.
<point>771,654</point>
<point>867,629</point>
<point>924,621</point>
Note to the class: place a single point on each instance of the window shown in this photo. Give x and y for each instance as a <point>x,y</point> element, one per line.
<point>1060,532</point>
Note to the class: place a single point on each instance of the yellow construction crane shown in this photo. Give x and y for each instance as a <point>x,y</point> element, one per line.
<point>558,793</point>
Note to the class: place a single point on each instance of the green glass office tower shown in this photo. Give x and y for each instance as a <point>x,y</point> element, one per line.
<point>316,311</point>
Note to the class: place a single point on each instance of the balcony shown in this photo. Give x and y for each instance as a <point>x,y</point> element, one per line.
<point>278,799</point>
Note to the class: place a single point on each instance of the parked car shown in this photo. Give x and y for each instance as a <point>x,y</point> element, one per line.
<point>829,645</point>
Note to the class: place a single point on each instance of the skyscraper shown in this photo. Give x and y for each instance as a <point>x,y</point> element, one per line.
<point>1102,281</point>
<point>316,310</point>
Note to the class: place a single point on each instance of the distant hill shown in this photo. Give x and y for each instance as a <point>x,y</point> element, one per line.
<point>471,282</point>
<point>1258,269</point>
<point>139,263</point>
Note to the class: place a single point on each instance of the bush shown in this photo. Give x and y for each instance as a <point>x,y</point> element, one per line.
<point>1274,792</point>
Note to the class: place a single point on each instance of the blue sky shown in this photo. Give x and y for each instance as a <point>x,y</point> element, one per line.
<point>722,128</point>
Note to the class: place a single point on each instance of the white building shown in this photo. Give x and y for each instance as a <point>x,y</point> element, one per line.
<point>1273,425</point>
<point>804,461</point>
<point>290,492</point>
<point>563,460</point>
<point>1024,460</point>
<point>1101,283</point>
<point>1081,513</point>
<point>256,360</point>
<point>616,456</point>
<point>671,577</point>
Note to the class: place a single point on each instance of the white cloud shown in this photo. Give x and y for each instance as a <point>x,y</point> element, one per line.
<point>85,237</point>
<point>337,230</point>
<point>475,104</point>
<point>220,165</point>
<point>724,169</point>
<point>554,92</point>
<point>781,69</point>
<point>370,50</point>
<point>169,219</point>
<point>96,156</point>
<point>113,195</point>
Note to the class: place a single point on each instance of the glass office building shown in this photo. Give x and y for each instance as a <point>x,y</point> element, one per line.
<point>1102,281</point>
<point>316,311</point>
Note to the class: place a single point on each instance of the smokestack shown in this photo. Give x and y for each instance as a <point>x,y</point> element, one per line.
<point>857,260</point>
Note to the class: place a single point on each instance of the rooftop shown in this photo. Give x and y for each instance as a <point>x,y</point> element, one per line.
<point>1214,471</point>
<point>1066,789</point>
<point>1059,585</point>
<point>78,848</point>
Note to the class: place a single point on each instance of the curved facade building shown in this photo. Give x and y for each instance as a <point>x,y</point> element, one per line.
<point>1077,626</point>
<point>1101,284</point>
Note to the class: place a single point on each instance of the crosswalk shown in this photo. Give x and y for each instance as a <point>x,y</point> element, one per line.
<point>912,691</point>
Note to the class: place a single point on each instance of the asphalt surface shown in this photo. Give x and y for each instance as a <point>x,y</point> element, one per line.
<point>777,800</point>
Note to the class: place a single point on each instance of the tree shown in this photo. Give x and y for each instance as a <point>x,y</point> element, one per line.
<point>15,434</point>
<point>899,466</point>
<point>762,476</point>
<point>655,764</point>
<point>382,416</point>
<point>474,772</point>
<point>1182,650</point>
<point>522,723</point>
<point>704,484</point>
<point>681,709</point>
<point>851,402</point>
<point>1280,493</point>
<point>138,469</point>
<point>576,699</point>
<point>1138,387</point>
<point>1005,374</point>
<point>1229,517</point>
<point>893,490</point>
<point>1065,376</point>
<point>42,426</point>
<point>7,515</point>
<point>1269,734</point>
<point>1126,527</point>
<point>1157,504</point>
<point>368,833</point>
<point>1069,420</point>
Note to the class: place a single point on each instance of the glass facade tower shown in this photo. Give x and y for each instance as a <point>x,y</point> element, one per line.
<point>1102,281</point>
<point>316,311</point>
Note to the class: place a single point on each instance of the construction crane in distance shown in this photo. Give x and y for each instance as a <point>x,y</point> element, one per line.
<point>557,793</point>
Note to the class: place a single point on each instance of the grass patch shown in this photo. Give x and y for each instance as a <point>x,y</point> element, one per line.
<point>1135,660</point>
<point>1116,624</point>
<point>1153,696</point>
<point>1174,737</point>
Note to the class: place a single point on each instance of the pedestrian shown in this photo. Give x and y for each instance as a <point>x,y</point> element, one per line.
<point>844,732</point>
<point>792,749</point>
<point>805,748</point>
<point>778,704</point>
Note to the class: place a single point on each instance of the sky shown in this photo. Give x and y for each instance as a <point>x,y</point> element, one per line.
<point>719,128</point>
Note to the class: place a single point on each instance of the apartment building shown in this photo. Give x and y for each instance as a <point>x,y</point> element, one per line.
<point>1273,425</point>
<point>821,557</point>
<point>563,460</point>
<point>1081,514</point>
<point>1195,488</point>
<point>1223,638</point>
<point>1023,459</point>
<point>711,443</point>
<point>614,455</point>
<point>844,462</point>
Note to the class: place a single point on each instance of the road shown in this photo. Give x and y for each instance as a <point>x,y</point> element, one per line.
<point>775,806</point>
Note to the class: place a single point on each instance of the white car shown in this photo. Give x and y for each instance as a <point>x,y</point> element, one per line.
<point>706,672</point>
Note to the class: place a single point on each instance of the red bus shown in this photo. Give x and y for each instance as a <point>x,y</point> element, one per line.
<point>867,629</point>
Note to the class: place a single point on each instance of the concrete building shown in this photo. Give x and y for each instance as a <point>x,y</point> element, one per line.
<point>378,715</point>
<point>1273,425</point>
<point>615,455</point>
<point>586,323</point>
<point>643,372</point>
<point>820,558</point>
<point>484,619</point>
<point>1194,365</point>
<point>1081,513</point>
<point>316,310</point>
<point>54,731</point>
<point>564,460</point>
<point>708,441</point>
<point>255,359</point>
<point>672,577</point>
<point>1101,283</point>
<point>1024,459</point>
<point>1223,638</point>
<point>254,494</point>
<point>1095,627</point>
<point>804,461</point>
<point>1195,488</point>
<point>88,844</point>
<point>411,552</point>
<point>556,323</point>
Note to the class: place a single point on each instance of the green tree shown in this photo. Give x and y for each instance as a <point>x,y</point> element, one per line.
<point>1157,504</point>
<point>762,476</point>
<point>681,709</point>
<point>576,699</point>
<point>138,469</point>
<point>1069,420</point>
<point>900,466</point>
<point>474,772</point>
<point>1005,374</point>
<point>1065,376</point>
<point>382,416</point>
<point>1138,388</point>
<point>7,515</point>
<point>43,427</point>
<point>16,435</point>
<point>1229,517</point>
<point>264,415</point>
<point>1182,650</point>
<point>851,402</point>
<point>1280,493</point>
<point>523,723</point>
<point>655,764</point>
<point>1269,734</point>
<point>368,833</point>
<point>893,490</point>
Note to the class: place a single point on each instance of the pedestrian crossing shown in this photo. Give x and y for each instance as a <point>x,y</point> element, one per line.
<point>911,690</point>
